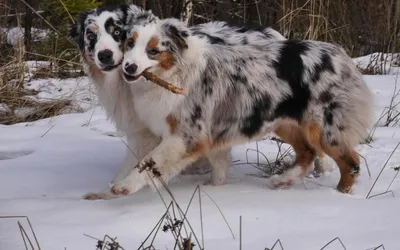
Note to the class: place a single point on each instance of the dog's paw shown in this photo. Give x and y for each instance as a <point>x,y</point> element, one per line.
<point>120,188</point>
<point>279,182</point>
<point>215,183</point>
<point>95,196</point>
<point>286,179</point>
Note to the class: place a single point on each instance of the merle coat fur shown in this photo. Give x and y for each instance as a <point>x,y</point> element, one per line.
<point>309,93</point>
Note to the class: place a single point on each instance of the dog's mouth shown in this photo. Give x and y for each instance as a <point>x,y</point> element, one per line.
<point>110,67</point>
<point>130,78</point>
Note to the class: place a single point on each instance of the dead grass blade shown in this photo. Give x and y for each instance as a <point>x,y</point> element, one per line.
<point>23,231</point>
<point>335,239</point>
<point>384,166</point>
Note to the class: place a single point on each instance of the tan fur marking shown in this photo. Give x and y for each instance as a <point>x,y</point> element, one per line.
<point>344,158</point>
<point>172,123</point>
<point>313,134</point>
<point>93,27</point>
<point>135,36</point>
<point>292,133</point>
<point>309,135</point>
<point>165,58</point>
<point>200,148</point>
<point>153,43</point>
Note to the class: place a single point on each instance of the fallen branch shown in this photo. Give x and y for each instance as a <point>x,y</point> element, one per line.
<point>160,82</point>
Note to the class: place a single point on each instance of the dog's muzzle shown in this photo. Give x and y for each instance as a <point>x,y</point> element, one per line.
<point>129,72</point>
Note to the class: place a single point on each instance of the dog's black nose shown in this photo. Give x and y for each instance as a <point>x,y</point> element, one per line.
<point>106,56</point>
<point>131,68</point>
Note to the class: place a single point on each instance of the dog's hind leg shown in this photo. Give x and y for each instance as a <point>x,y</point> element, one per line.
<point>219,161</point>
<point>349,165</point>
<point>293,134</point>
<point>322,162</point>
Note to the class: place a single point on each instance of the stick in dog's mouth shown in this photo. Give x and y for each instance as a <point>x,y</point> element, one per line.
<point>160,82</point>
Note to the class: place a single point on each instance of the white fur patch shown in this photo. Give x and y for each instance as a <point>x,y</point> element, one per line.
<point>327,164</point>
<point>106,41</point>
<point>287,178</point>
<point>131,184</point>
<point>138,55</point>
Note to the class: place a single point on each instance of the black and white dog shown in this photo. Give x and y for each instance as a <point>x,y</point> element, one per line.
<point>100,36</point>
<point>309,93</point>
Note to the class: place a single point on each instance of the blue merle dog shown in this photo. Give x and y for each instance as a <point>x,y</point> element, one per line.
<point>309,93</point>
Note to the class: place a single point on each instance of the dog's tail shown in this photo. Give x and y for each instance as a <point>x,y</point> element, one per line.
<point>348,117</point>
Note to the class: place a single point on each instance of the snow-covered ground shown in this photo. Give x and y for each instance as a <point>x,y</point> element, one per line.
<point>46,166</point>
<point>380,63</point>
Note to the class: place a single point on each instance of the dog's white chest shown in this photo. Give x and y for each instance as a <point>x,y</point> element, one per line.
<point>153,108</point>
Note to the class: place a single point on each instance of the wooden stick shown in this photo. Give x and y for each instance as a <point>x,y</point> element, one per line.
<point>160,82</point>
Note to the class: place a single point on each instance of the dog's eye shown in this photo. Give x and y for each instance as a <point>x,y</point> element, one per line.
<point>153,52</point>
<point>90,36</point>
<point>130,43</point>
<point>117,33</point>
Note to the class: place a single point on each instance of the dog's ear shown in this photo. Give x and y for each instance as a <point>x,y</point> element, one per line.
<point>138,16</point>
<point>76,30</point>
<point>177,31</point>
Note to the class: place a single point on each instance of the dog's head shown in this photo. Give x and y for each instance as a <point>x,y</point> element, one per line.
<point>155,46</point>
<point>100,34</point>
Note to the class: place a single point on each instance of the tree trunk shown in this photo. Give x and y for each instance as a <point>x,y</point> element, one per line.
<point>28,26</point>
<point>187,11</point>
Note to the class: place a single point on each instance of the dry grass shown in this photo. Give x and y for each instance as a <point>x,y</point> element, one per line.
<point>19,104</point>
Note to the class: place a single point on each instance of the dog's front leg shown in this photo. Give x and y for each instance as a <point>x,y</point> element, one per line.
<point>168,159</point>
<point>139,144</point>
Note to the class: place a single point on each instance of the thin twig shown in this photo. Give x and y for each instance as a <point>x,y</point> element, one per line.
<point>240,233</point>
<point>24,234</point>
<point>160,82</point>
<point>376,180</point>
<point>47,131</point>
<point>90,118</point>
<point>366,164</point>
<point>66,10</point>
<point>197,189</point>
<point>201,219</point>
<point>154,228</point>
<point>220,211</point>
<point>335,239</point>
<point>30,226</point>
<point>53,58</point>
<point>278,241</point>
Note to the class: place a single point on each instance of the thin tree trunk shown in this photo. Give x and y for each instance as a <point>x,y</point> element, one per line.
<point>28,26</point>
<point>187,11</point>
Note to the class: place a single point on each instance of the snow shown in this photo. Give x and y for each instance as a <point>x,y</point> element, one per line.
<point>77,89</point>
<point>382,63</point>
<point>45,167</point>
